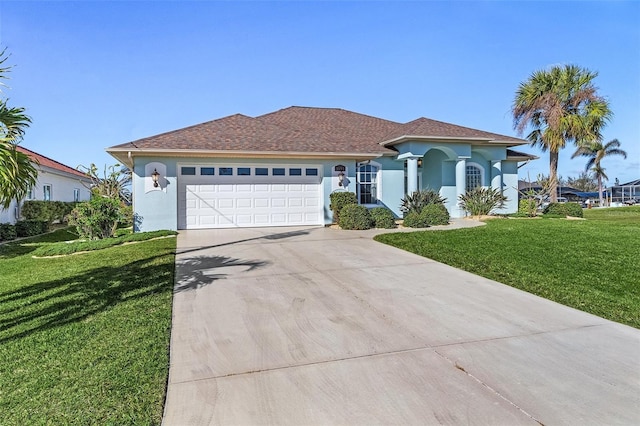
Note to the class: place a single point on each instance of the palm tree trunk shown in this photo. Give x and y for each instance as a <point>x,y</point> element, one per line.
<point>553,175</point>
<point>600,189</point>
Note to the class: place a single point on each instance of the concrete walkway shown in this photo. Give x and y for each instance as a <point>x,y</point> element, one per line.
<point>306,326</point>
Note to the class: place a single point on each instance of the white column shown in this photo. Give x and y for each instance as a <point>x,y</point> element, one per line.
<point>461,183</point>
<point>496,175</point>
<point>412,175</point>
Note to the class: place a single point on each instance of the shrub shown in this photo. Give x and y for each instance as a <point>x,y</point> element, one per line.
<point>97,219</point>
<point>340,199</point>
<point>50,211</point>
<point>435,214</point>
<point>355,216</point>
<point>382,218</point>
<point>29,228</point>
<point>416,201</point>
<point>7,232</point>
<point>527,207</point>
<point>414,219</point>
<point>481,201</point>
<point>563,210</point>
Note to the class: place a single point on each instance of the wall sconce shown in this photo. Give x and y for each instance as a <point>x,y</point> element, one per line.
<point>340,178</point>
<point>155,176</point>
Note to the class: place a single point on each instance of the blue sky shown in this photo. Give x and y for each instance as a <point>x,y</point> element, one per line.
<point>95,74</point>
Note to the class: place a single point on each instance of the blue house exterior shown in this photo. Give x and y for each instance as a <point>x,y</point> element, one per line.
<point>279,169</point>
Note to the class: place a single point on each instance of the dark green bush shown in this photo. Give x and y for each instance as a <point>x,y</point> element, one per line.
<point>29,228</point>
<point>50,211</point>
<point>416,201</point>
<point>415,220</point>
<point>339,199</point>
<point>481,201</point>
<point>527,207</point>
<point>355,216</point>
<point>383,218</point>
<point>563,209</point>
<point>435,214</point>
<point>7,232</point>
<point>97,218</point>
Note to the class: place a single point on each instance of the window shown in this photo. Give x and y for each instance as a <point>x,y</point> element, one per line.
<point>225,171</point>
<point>207,171</point>
<point>76,195</point>
<point>311,172</point>
<point>46,190</point>
<point>30,194</point>
<point>295,172</point>
<point>244,171</point>
<point>278,172</point>
<point>262,171</point>
<point>188,171</point>
<point>474,177</point>
<point>368,184</point>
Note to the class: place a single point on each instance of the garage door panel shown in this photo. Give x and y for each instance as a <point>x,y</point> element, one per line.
<point>226,203</point>
<point>278,202</point>
<point>261,203</point>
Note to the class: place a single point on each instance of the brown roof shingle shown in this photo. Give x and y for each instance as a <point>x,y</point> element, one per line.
<point>303,130</point>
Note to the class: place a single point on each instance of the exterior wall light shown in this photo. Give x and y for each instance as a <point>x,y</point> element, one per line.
<point>155,176</point>
<point>340,178</point>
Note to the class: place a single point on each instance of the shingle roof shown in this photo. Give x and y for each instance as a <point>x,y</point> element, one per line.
<point>48,162</point>
<point>426,127</point>
<point>304,130</point>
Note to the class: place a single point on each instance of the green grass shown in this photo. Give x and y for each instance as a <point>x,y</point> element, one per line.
<point>85,339</point>
<point>591,265</point>
<point>62,248</point>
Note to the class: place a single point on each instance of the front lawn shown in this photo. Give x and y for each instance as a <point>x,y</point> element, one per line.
<point>591,265</point>
<point>84,339</point>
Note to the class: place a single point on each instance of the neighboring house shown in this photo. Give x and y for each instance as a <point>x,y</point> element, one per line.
<point>278,169</point>
<point>56,182</point>
<point>627,193</point>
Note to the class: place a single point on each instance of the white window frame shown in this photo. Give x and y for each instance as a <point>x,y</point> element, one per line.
<point>466,175</point>
<point>76,194</point>
<point>378,182</point>
<point>44,192</point>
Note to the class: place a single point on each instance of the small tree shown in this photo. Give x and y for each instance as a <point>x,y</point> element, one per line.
<point>114,183</point>
<point>97,219</point>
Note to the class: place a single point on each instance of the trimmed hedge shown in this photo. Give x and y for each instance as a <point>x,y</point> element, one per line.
<point>355,216</point>
<point>50,211</point>
<point>382,218</point>
<point>30,228</point>
<point>431,214</point>
<point>7,232</point>
<point>563,209</point>
<point>435,214</point>
<point>414,219</point>
<point>339,200</point>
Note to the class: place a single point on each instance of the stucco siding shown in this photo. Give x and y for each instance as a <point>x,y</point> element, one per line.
<point>510,186</point>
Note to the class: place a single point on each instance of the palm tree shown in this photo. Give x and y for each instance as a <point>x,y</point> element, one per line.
<point>17,171</point>
<point>560,105</point>
<point>596,151</point>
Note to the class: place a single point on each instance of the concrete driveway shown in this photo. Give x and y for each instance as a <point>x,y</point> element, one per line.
<point>306,326</point>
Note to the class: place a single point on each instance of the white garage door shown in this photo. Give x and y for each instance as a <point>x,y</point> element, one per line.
<point>248,196</point>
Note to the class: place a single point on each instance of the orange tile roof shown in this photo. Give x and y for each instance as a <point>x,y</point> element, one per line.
<point>305,130</point>
<point>48,162</point>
